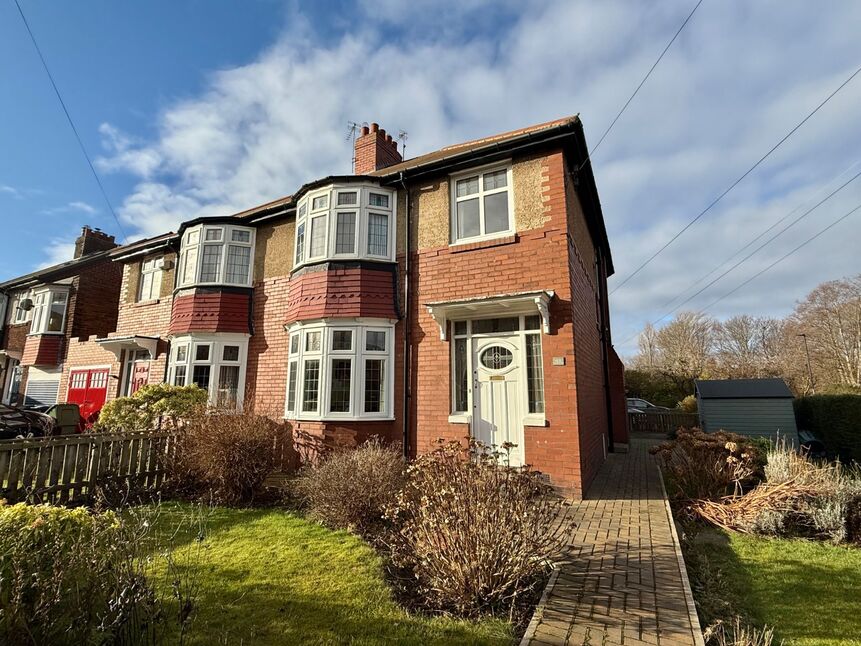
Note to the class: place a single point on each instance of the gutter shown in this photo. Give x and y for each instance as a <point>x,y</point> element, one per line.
<point>407,321</point>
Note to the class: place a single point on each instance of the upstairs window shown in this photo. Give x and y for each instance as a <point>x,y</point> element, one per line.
<point>149,287</point>
<point>21,315</point>
<point>49,311</point>
<point>481,205</point>
<point>350,221</point>
<point>216,255</point>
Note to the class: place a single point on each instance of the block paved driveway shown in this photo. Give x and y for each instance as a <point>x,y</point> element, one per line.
<point>621,581</point>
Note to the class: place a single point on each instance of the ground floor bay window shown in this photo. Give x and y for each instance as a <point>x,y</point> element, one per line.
<point>340,370</point>
<point>214,362</point>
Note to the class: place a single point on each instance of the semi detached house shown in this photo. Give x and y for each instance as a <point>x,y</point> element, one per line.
<point>462,292</point>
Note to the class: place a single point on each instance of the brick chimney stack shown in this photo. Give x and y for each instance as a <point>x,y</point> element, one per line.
<point>92,240</point>
<point>375,150</point>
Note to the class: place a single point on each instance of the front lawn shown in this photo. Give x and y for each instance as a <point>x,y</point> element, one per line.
<point>809,592</point>
<point>268,576</point>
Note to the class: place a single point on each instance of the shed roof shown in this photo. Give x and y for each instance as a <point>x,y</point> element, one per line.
<point>743,389</point>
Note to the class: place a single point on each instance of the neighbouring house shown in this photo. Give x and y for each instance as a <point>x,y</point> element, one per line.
<point>45,312</point>
<point>459,293</point>
<point>751,407</point>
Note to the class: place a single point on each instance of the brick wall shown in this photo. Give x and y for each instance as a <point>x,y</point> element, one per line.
<point>334,290</point>
<point>94,305</point>
<point>211,310</point>
<point>617,399</point>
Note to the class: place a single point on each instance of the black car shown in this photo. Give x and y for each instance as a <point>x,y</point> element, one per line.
<point>19,423</point>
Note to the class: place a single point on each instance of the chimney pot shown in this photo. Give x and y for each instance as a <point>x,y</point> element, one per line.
<point>365,130</point>
<point>375,127</point>
<point>389,138</point>
<point>382,134</point>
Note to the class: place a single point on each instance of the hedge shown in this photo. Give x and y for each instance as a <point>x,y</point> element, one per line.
<point>834,419</point>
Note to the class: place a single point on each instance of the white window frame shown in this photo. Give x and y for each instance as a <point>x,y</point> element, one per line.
<point>465,417</point>
<point>193,243</point>
<point>39,324</point>
<point>216,344</point>
<point>150,268</point>
<point>326,356</point>
<point>481,171</point>
<point>305,214</point>
<point>20,316</point>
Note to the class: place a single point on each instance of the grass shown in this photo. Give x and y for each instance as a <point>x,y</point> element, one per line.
<point>807,591</point>
<point>268,576</point>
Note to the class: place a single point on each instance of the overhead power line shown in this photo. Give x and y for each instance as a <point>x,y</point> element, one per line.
<point>643,82</point>
<point>736,182</point>
<point>71,122</point>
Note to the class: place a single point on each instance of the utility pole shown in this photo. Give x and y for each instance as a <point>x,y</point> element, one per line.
<point>809,370</point>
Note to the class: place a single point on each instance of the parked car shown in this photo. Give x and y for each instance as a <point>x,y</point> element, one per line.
<point>19,423</point>
<point>636,405</point>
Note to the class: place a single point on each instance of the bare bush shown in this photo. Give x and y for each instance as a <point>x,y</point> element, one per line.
<point>737,633</point>
<point>708,466</point>
<point>472,536</point>
<point>350,489</point>
<point>226,455</point>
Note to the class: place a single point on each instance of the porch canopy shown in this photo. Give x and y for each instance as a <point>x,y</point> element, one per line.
<point>117,344</point>
<point>488,306</point>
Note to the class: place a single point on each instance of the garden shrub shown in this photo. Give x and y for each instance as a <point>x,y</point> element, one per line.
<point>226,455</point>
<point>351,488</point>
<point>709,465</point>
<point>154,405</point>
<point>471,536</point>
<point>68,576</point>
<point>834,419</point>
<point>688,404</point>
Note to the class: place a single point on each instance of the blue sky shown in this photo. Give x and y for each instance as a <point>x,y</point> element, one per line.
<point>207,106</point>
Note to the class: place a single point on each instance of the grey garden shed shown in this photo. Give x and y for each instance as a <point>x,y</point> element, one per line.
<point>753,407</point>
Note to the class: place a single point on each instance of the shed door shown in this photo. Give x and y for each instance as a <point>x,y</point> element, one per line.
<point>88,389</point>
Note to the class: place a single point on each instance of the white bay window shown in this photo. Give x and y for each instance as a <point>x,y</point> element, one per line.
<point>214,362</point>
<point>49,310</point>
<point>340,370</point>
<point>216,254</point>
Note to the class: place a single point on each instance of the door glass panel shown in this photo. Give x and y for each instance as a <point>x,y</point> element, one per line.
<point>534,373</point>
<point>496,357</point>
<point>461,376</point>
<point>492,326</point>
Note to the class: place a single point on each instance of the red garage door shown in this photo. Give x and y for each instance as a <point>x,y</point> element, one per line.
<point>88,389</point>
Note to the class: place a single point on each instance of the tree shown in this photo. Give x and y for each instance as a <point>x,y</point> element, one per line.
<point>748,347</point>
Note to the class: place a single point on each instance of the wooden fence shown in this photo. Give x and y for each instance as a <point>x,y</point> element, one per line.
<point>661,422</point>
<point>68,468</point>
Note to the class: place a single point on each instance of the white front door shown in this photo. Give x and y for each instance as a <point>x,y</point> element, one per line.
<point>497,395</point>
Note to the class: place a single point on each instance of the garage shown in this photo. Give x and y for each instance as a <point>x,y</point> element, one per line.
<point>88,388</point>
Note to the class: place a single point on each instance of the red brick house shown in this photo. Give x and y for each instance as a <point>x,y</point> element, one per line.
<point>460,292</point>
<point>43,313</point>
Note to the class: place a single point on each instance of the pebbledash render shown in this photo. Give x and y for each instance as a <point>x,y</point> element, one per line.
<point>459,293</point>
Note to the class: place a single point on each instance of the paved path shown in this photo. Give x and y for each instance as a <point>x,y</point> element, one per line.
<point>621,582</point>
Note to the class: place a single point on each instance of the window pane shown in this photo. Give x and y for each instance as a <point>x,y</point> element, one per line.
<point>58,309</point>
<point>347,198</point>
<point>467,186</point>
<point>342,340</point>
<point>300,243</point>
<point>294,344</point>
<point>240,236</point>
<point>230,353</point>
<point>189,266</point>
<point>460,327</point>
<point>345,233</point>
<point>378,234</point>
<point>179,376</point>
<point>211,265</point>
<point>461,377</point>
<point>213,234</point>
<point>375,341</point>
<point>312,342</point>
<point>534,373</point>
<point>488,326</point>
<point>496,357</point>
<point>201,353</point>
<point>238,261</point>
<point>291,386</point>
<point>496,179</point>
<point>375,384</point>
<point>310,385</point>
<point>532,322</point>
<point>496,212</point>
<point>228,386</point>
<point>339,401</point>
<point>181,353</point>
<point>193,236</point>
<point>467,219</point>
<point>320,202</point>
<point>379,199</point>
<point>200,376</point>
<point>318,237</point>
<point>303,209</point>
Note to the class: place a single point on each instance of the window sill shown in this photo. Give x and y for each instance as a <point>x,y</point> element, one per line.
<point>333,420</point>
<point>459,247</point>
<point>46,334</point>
<point>535,420</point>
<point>459,418</point>
<point>152,301</point>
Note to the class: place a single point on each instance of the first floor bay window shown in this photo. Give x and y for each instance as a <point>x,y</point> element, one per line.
<point>340,370</point>
<point>49,310</point>
<point>214,362</point>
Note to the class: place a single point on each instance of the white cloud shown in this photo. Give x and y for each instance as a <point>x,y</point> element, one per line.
<point>77,206</point>
<point>10,190</point>
<point>736,80</point>
<point>57,251</point>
